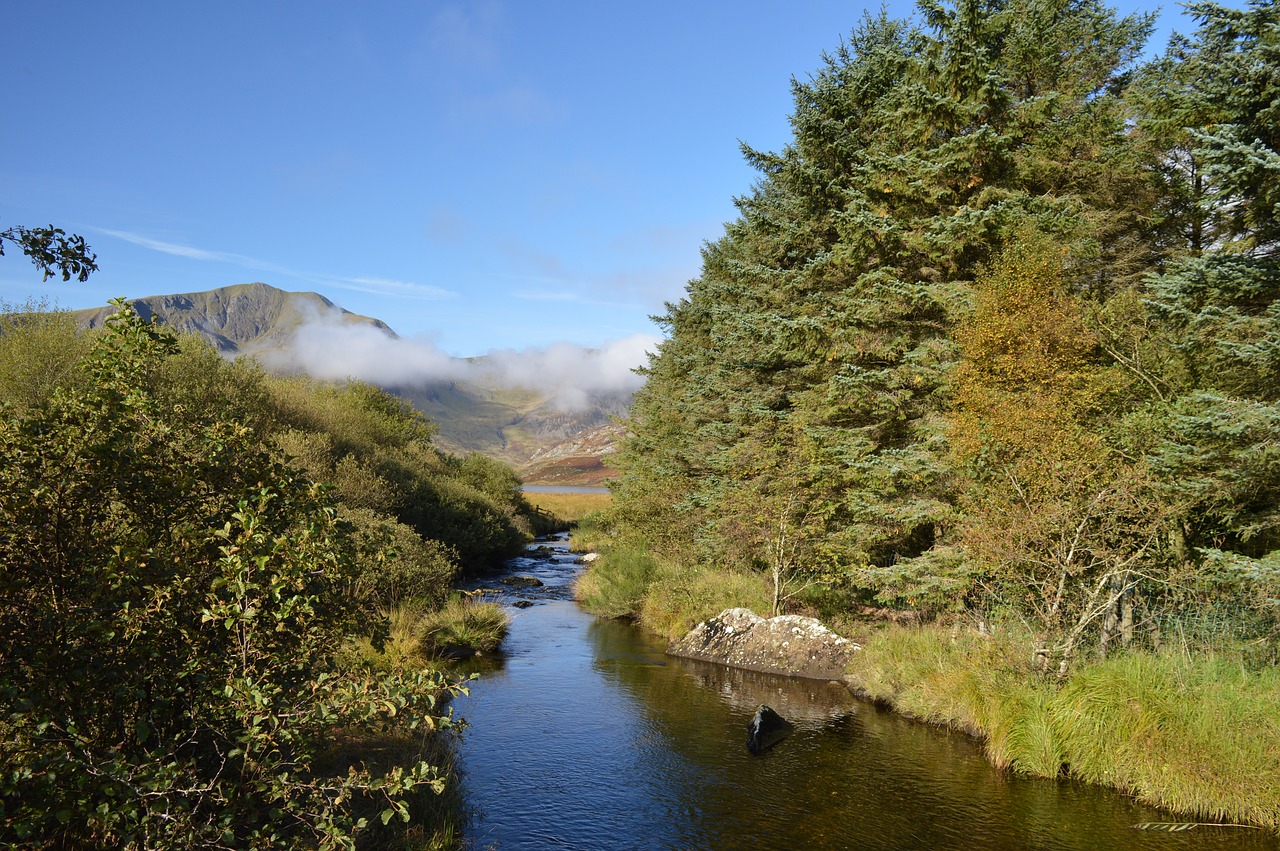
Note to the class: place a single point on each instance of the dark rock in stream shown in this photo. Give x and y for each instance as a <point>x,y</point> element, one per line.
<point>766,729</point>
<point>522,581</point>
<point>522,604</point>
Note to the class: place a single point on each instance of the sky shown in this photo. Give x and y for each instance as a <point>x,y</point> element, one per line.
<point>483,176</point>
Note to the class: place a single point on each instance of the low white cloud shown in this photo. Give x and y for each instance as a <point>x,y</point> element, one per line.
<point>570,375</point>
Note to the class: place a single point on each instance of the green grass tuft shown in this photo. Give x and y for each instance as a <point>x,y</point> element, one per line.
<point>614,586</point>
<point>463,623</point>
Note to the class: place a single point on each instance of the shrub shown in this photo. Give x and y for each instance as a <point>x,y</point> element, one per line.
<point>175,601</point>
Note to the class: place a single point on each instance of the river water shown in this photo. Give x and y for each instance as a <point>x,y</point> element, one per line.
<point>585,735</point>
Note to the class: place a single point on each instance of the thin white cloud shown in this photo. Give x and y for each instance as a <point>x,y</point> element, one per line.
<point>194,253</point>
<point>390,287</point>
<point>165,247</point>
<point>364,284</point>
<point>529,295</point>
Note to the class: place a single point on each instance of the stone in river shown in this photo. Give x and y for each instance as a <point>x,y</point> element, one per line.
<point>766,729</point>
<point>522,604</point>
<point>522,581</point>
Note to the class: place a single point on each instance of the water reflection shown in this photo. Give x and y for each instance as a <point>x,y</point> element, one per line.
<point>588,736</point>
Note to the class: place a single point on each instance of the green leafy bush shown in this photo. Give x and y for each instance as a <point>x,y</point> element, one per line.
<point>175,600</point>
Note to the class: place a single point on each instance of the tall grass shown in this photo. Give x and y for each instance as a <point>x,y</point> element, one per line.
<point>665,597</point>
<point>421,633</point>
<point>570,507</point>
<point>614,586</point>
<point>1198,736</point>
<point>591,534</point>
<point>682,596</point>
<point>464,623</point>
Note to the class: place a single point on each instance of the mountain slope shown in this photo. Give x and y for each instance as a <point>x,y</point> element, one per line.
<point>519,425</point>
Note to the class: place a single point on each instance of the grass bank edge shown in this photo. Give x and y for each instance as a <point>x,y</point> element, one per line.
<point>1194,735</point>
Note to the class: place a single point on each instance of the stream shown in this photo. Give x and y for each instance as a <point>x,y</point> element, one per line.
<point>583,734</point>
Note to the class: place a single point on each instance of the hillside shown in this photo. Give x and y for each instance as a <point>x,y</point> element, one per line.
<point>518,425</point>
<point>522,426</point>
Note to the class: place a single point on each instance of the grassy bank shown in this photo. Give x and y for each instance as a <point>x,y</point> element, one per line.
<point>668,599</point>
<point>1196,736</point>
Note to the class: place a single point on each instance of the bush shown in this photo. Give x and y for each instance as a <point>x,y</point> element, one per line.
<point>399,565</point>
<point>175,601</point>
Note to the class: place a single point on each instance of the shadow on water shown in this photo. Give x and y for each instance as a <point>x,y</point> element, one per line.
<point>588,736</point>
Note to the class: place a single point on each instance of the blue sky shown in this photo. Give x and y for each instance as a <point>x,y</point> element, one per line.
<point>479,175</point>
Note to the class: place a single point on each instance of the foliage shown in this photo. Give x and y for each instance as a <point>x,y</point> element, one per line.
<point>52,251</point>
<point>796,420</point>
<point>995,333</point>
<point>175,600</point>
<point>377,451</point>
<point>1059,525</point>
<point>39,353</point>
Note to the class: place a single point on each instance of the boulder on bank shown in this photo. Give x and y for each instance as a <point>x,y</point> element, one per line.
<point>790,645</point>
<point>766,729</point>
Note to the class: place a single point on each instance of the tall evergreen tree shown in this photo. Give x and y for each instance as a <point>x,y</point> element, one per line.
<point>816,348</point>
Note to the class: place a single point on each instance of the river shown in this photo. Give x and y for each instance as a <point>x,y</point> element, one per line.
<point>585,735</point>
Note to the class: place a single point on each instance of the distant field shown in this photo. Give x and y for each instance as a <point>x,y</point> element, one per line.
<point>570,506</point>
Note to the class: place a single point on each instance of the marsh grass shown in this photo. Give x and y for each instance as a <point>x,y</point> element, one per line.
<point>463,622</point>
<point>570,507</point>
<point>1193,735</point>
<point>421,634</point>
<point>614,586</point>
<point>1198,736</point>
<point>681,597</point>
<point>668,599</point>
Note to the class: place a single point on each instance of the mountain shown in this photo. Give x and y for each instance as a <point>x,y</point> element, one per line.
<point>519,425</point>
<point>240,319</point>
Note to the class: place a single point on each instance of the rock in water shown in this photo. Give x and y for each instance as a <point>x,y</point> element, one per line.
<point>766,729</point>
<point>790,645</point>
